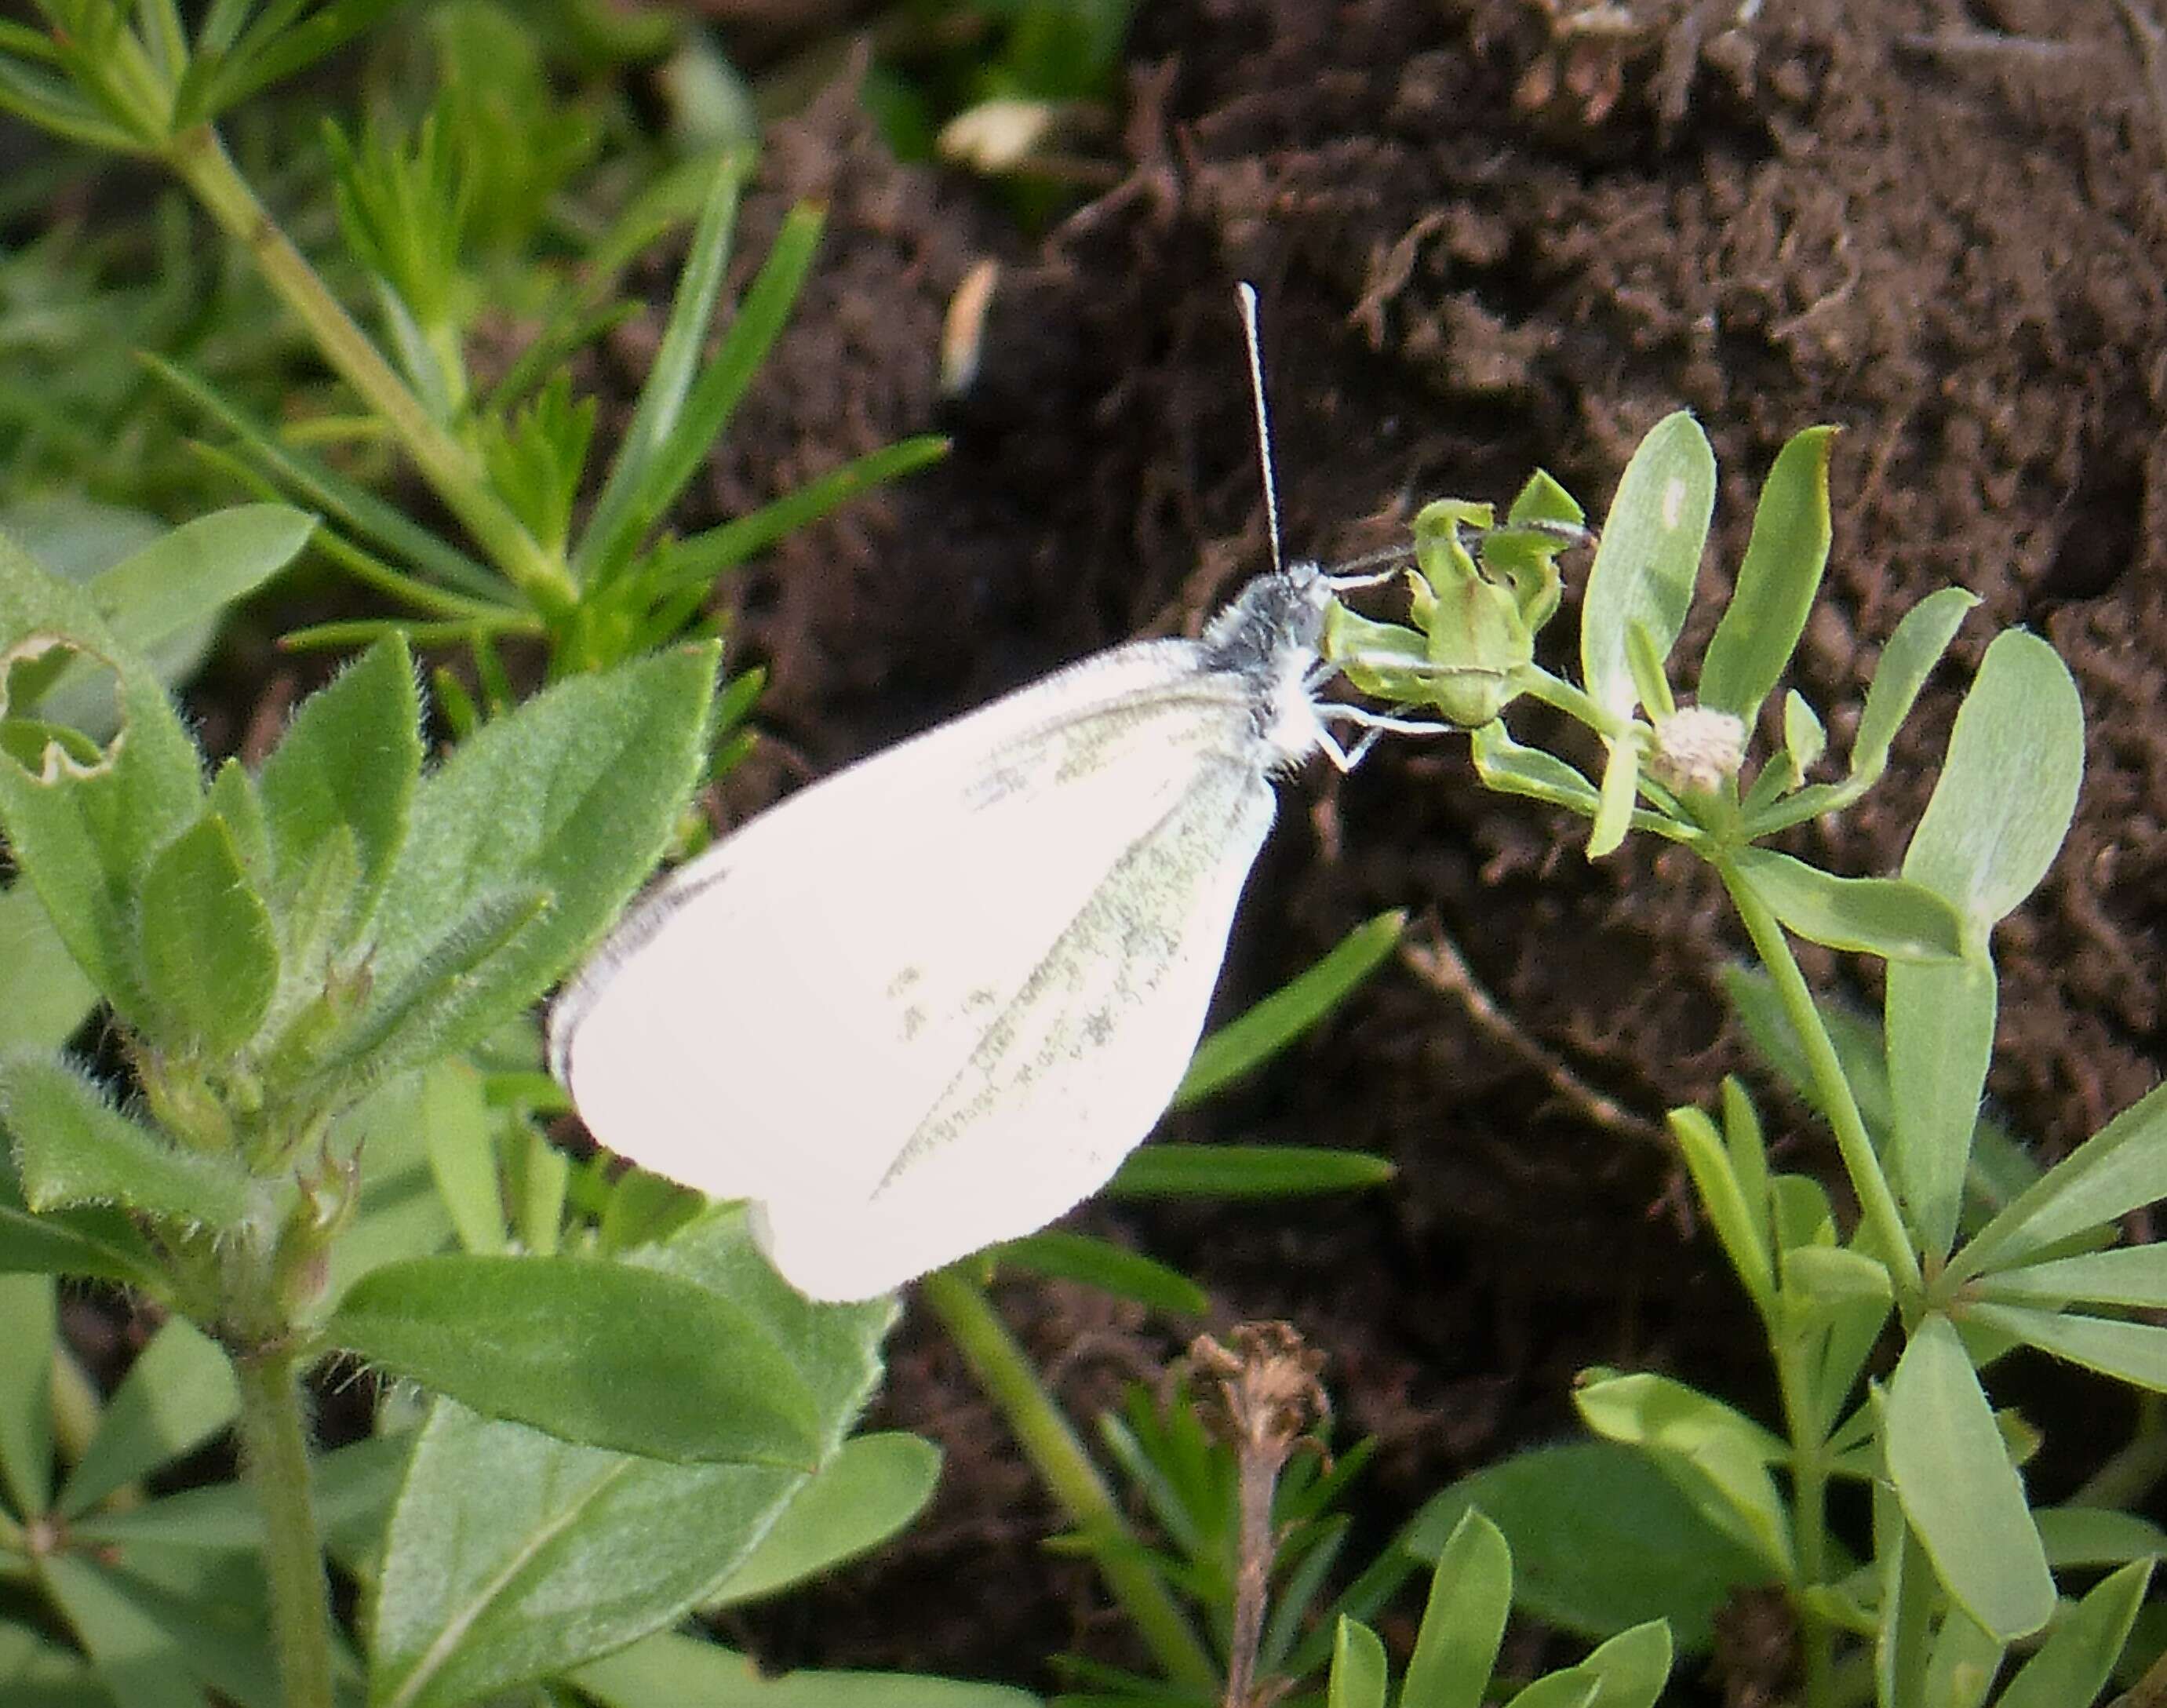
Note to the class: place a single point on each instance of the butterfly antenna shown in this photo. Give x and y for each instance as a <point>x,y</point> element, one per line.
<point>1247,293</point>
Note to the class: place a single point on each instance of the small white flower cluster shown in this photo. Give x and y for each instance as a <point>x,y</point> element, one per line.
<point>1697,748</point>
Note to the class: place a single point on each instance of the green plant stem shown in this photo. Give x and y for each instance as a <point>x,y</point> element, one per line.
<point>1808,1510</point>
<point>454,473</point>
<point>1877,1202</point>
<point>274,1459</point>
<point>1012,1384</point>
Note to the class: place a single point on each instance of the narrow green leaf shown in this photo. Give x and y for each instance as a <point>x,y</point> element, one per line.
<point>350,759</point>
<point>1939,1042</point>
<point>1650,550</point>
<point>1510,768</point>
<point>1463,1620</point>
<point>182,580</point>
<point>1777,580</point>
<point>1884,916</point>
<point>99,1243</point>
<point>698,559</point>
<point>1903,1645</point>
<point>360,510</point>
<point>1742,1227</point>
<point>614,524</point>
<point>2009,786</point>
<point>462,1138</point>
<point>210,959</point>
<point>44,996</point>
<point>131,1653</point>
<point>2120,1168</point>
<point>2074,1663</point>
<point>2131,1352</point>
<point>1632,1668</point>
<point>1645,664</point>
<point>1613,813</point>
<point>1959,1491</point>
<point>1261,1032</point>
<point>1906,661</point>
<point>1804,738</point>
<point>1726,1451</point>
<point>1570,1689</point>
<point>1110,1268</point>
<point>668,1670</point>
<point>1961,1670</point>
<point>872,1487</point>
<point>1826,1278</point>
<point>594,1352</point>
<point>178,1393</point>
<point>2128,1275</point>
<point>1245,1171</point>
<point>2096,1535</point>
<point>1358,1674</point>
<point>26,1392</point>
<point>72,1146</point>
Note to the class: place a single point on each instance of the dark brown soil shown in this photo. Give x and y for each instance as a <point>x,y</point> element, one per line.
<point>1489,237</point>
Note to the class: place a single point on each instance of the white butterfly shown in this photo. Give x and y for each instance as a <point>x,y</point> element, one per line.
<point>931,1002</point>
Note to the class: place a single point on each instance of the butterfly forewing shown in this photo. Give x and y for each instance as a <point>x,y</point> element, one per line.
<point>880,928</point>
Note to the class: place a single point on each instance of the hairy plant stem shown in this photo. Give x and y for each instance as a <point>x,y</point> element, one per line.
<point>199,160</point>
<point>1876,1201</point>
<point>1006,1375</point>
<point>274,1460</point>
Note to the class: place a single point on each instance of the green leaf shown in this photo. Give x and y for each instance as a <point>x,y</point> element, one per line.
<point>595,1352</point>
<point>1463,1620</point>
<point>2131,1352</point>
<point>1112,1269</point>
<point>1601,1541</point>
<point>2009,786</point>
<point>175,587</point>
<point>1510,768</point>
<point>44,996</point>
<point>2097,1535</point>
<point>1740,1223</point>
<point>26,1391</point>
<point>491,1574</point>
<point>2120,1168</point>
<point>132,1654</point>
<point>398,1213</point>
<point>42,1674</point>
<point>83,835</point>
<point>1270,1026</point>
<point>1961,1669</point>
<point>2075,1661</point>
<point>1613,811</point>
<point>1884,916</point>
<point>1245,1171</point>
<point>1906,661</point>
<point>210,960</point>
<point>1939,1042</point>
<point>1959,1493</point>
<point>1570,1689</point>
<point>2127,1275</point>
<point>1632,1668</point>
<point>1903,1640</point>
<point>872,1487</point>
<point>1649,552</point>
<point>462,1137</point>
<point>178,1393</point>
<point>668,1670</point>
<point>1776,583</point>
<point>72,1146</point>
<point>615,524</point>
<point>1713,1451</point>
<point>349,761</point>
<point>1358,1674</point>
<point>101,1242</point>
<point>573,796</point>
